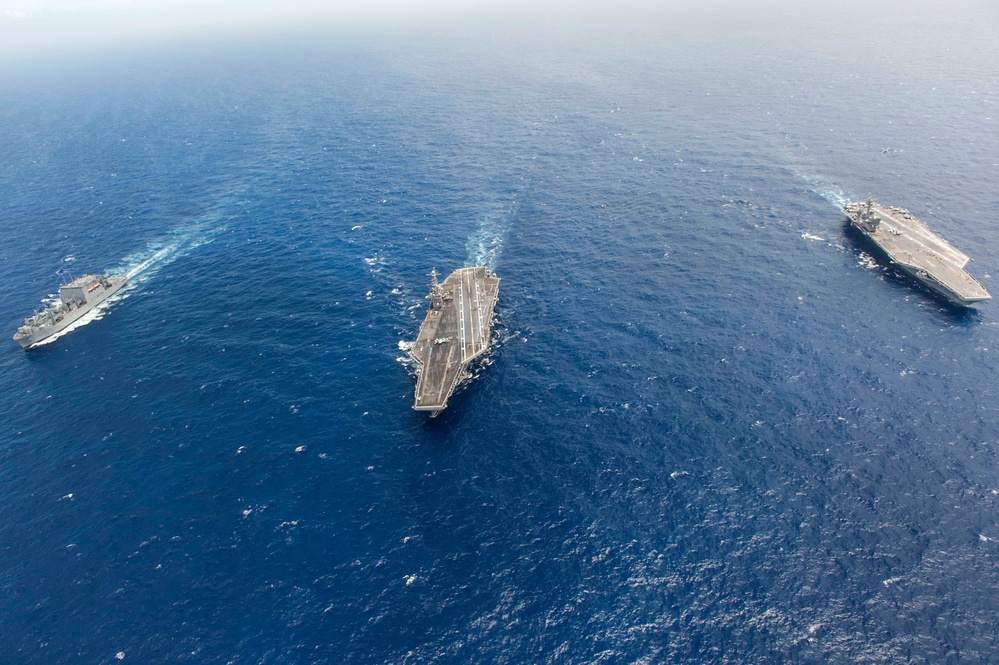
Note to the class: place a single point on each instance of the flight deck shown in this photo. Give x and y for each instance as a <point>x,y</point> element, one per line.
<point>454,332</point>
<point>918,251</point>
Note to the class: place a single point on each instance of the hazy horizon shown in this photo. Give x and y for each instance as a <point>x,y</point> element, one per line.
<point>49,27</point>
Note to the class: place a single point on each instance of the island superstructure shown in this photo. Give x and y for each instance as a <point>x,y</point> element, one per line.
<point>454,332</point>
<point>75,299</point>
<point>917,250</point>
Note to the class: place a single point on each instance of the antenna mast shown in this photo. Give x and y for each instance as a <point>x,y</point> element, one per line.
<point>437,296</point>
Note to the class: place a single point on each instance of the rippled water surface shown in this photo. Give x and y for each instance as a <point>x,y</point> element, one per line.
<point>715,427</point>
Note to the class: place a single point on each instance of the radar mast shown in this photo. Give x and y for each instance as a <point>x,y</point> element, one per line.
<point>437,296</point>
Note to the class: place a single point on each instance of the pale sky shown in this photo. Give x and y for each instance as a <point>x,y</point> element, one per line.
<point>52,26</point>
<point>208,10</point>
<point>38,26</point>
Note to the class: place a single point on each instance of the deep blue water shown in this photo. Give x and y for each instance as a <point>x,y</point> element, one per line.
<point>714,427</point>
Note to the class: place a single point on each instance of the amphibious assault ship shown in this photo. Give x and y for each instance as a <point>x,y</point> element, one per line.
<point>75,299</point>
<point>917,250</point>
<point>455,330</point>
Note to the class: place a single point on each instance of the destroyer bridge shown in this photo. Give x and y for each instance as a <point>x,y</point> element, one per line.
<point>455,331</point>
<point>917,250</point>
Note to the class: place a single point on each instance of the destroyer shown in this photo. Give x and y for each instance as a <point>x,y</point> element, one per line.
<point>75,299</point>
<point>455,331</point>
<point>917,250</point>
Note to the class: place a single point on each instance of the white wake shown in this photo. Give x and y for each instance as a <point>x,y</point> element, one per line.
<point>826,190</point>
<point>140,266</point>
<point>486,244</point>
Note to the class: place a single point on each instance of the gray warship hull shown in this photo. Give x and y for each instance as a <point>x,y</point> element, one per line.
<point>919,252</point>
<point>454,332</point>
<point>77,299</point>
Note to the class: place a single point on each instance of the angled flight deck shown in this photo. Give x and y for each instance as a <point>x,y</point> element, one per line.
<point>918,251</point>
<point>455,331</point>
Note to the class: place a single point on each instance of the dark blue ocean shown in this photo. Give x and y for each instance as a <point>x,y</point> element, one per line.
<point>714,427</point>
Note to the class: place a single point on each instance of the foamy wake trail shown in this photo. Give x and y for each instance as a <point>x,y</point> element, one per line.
<point>157,256</point>
<point>144,264</point>
<point>831,193</point>
<point>140,266</point>
<point>485,245</point>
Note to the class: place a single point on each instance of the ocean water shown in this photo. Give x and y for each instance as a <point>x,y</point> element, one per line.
<point>715,426</point>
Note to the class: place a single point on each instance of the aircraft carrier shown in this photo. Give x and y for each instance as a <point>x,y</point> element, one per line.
<point>455,331</point>
<point>75,299</point>
<point>917,250</point>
